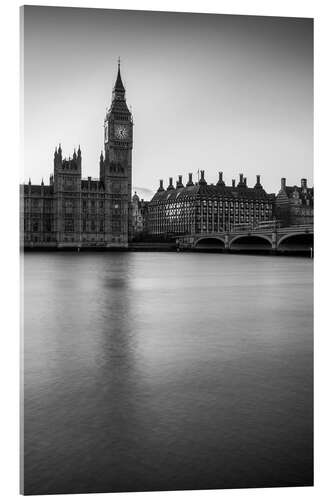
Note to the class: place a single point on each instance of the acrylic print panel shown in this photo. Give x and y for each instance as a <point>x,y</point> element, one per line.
<point>168,324</point>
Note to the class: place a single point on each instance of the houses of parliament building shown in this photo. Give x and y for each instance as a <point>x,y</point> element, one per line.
<point>75,212</point>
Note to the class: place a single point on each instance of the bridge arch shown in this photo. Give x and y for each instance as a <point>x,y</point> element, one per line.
<point>209,243</point>
<point>251,242</point>
<point>300,241</point>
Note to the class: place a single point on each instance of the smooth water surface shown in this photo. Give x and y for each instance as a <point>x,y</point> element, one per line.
<point>148,371</point>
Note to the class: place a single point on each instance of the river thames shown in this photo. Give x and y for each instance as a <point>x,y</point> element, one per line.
<point>148,371</point>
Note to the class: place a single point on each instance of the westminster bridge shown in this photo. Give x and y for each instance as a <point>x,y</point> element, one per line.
<point>281,239</point>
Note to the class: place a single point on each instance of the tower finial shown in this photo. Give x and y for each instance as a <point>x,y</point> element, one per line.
<point>119,84</point>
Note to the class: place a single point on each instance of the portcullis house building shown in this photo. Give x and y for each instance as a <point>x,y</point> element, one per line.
<point>201,208</point>
<point>76,212</point>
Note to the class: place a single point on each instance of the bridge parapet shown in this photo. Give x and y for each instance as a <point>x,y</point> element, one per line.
<point>274,236</point>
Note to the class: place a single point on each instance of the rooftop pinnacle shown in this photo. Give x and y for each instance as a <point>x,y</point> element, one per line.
<point>119,84</point>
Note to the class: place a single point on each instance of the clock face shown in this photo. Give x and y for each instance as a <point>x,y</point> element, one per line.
<point>121,131</point>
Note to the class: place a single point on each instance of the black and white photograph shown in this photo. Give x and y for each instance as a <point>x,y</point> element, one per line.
<point>167,249</point>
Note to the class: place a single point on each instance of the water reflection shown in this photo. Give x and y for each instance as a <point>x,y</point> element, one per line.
<point>167,371</point>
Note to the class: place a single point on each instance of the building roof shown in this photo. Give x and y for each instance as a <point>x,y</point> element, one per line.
<point>290,190</point>
<point>211,191</point>
<point>118,104</point>
<point>119,87</point>
<point>296,192</point>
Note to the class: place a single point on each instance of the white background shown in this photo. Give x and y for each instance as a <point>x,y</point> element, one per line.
<point>322,11</point>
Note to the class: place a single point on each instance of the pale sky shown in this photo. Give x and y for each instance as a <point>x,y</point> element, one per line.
<point>208,92</point>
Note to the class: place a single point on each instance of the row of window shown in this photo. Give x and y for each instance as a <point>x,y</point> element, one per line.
<point>68,226</point>
<point>92,204</point>
<point>210,202</point>
<point>69,205</point>
<point>176,224</point>
<point>215,203</point>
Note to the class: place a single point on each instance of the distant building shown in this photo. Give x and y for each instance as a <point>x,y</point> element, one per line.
<point>294,204</point>
<point>207,208</point>
<point>72,211</point>
<point>139,217</point>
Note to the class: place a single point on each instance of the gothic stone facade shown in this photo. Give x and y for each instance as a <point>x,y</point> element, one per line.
<point>294,204</point>
<point>76,212</point>
<point>208,208</point>
<point>139,217</point>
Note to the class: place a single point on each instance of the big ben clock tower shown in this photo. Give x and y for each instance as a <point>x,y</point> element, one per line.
<point>116,167</point>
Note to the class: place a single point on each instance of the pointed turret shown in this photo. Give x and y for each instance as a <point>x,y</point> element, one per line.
<point>57,157</point>
<point>135,198</point>
<point>119,87</point>
<point>118,104</point>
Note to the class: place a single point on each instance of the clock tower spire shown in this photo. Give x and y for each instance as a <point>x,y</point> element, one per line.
<point>119,86</point>
<point>116,168</point>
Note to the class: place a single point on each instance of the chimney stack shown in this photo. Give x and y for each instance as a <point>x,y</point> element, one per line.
<point>240,178</point>
<point>303,183</point>
<point>283,183</point>
<point>245,180</point>
<point>161,188</point>
<point>180,181</point>
<point>233,183</point>
<point>220,181</point>
<point>202,177</point>
<point>170,184</point>
<point>258,185</point>
<point>190,181</point>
